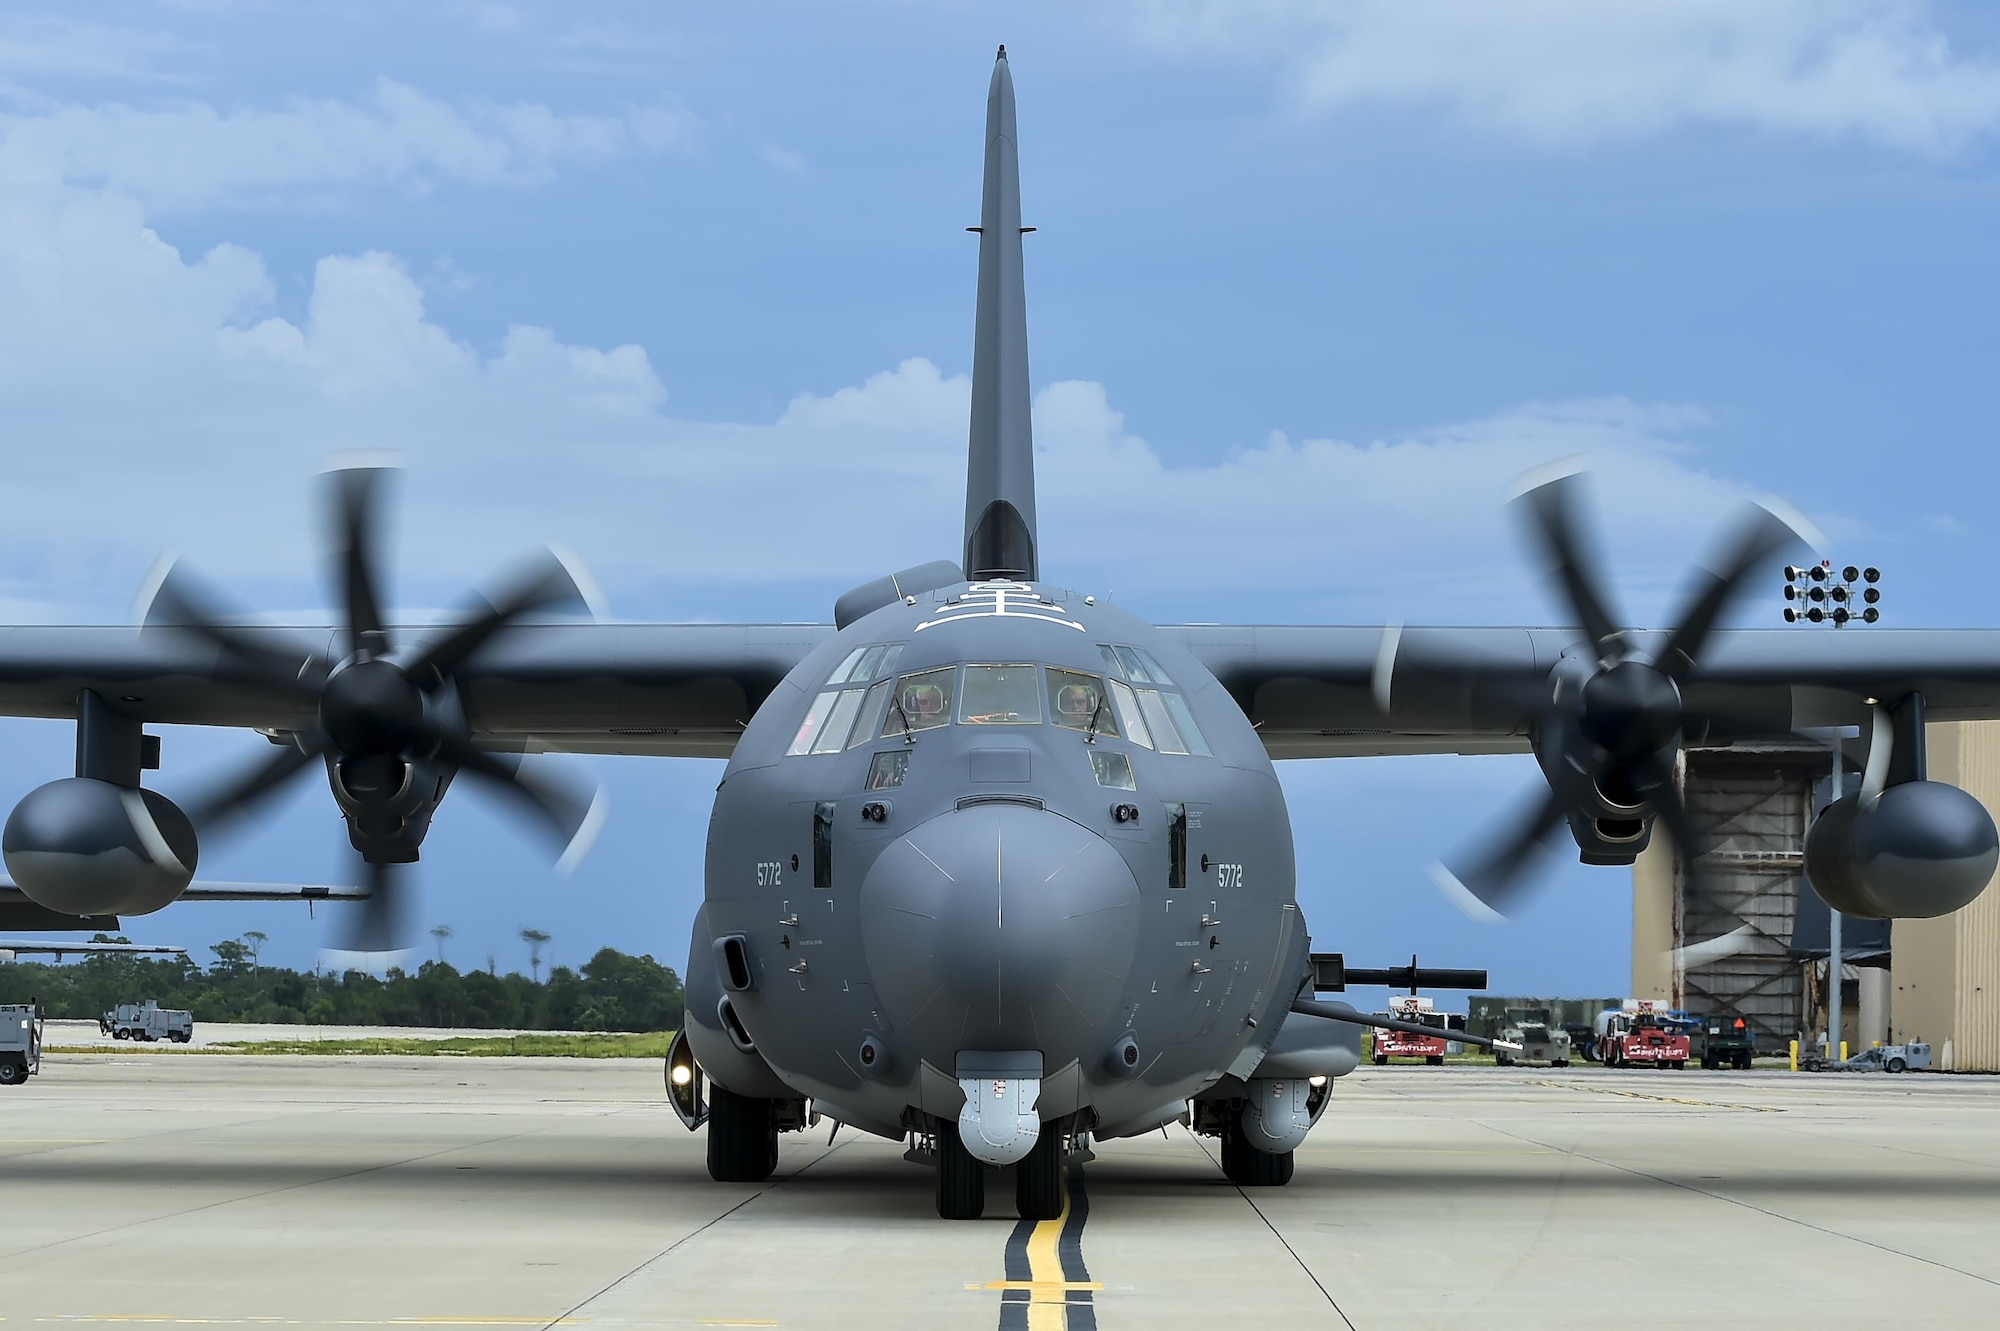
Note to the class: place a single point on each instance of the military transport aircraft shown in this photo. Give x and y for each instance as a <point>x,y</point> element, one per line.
<point>995,867</point>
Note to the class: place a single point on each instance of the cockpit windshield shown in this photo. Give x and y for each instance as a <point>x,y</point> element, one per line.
<point>862,702</point>
<point>1078,701</point>
<point>1000,695</point>
<point>921,702</point>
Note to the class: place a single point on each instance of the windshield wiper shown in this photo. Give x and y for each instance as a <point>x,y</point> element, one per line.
<point>896,705</point>
<point>1096,712</point>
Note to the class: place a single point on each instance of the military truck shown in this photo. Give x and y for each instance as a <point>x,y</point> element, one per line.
<point>20,1043</point>
<point>1727,1041</point>
<point>1542,1041</point>
<point>147,1021</point>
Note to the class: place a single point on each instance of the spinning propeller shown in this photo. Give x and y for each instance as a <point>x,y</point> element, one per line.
<point>388,720</point>
<point>1607,723</point>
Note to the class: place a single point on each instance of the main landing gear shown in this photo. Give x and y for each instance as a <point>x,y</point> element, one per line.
<point>1247,1167</point>
<point>1245,1127</point>
<point>961,1178</point>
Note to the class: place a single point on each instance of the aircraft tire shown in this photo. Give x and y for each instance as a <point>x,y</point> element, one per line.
<point>961,1179</point>
<point>1038,1180</point>
<point>742,1137</point>
<point>1247,1167</point>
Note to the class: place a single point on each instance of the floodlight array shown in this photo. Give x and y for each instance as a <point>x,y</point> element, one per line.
<point>1821,594</point>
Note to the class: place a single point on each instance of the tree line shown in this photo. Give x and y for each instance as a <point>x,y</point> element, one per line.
<point>611,992</point>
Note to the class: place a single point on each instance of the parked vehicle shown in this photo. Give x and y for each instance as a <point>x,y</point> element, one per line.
<point>1542,1041</point>
<point>1402,1044</point>
<point>20,1043</point>
<point>1582,1040</point>
<point>1914,1056</point>
<point>1641,1033</point>
<point>1727,1041</point>
<point>147,1021</point>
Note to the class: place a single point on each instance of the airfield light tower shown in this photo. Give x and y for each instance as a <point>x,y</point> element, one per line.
<point>1815,594</point>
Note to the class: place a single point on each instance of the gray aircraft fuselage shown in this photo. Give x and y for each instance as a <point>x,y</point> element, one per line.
<point>1030,885</point>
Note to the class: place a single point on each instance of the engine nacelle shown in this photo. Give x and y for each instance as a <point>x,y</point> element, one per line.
<point>1923,849</point>
<point>87,847</point>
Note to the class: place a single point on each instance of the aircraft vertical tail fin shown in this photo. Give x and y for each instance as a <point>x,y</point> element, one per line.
<point>1000,475</point>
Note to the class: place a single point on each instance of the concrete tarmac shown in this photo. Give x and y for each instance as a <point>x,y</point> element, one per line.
<point>324,1192</point>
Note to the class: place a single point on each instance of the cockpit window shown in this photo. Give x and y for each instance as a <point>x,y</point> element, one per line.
<point>815,722</point>
<point>1128,715</point>
<point>1112,769</point>
<point>1136,664</point>
<point>1079,702</point>
<point>1159,718</point>
<point>846,667</point>
<point>868,724</point>
<point>887,769</point>
<point>1000,695</point>
<point>1183,716</point>
<point>832,737</point>
<point>1165,737</point>
<point>841,718</point>
<point>920,702</point>
<point>866,663</point>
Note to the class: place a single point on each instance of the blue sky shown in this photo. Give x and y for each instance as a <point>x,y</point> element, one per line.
<point>688,290</point>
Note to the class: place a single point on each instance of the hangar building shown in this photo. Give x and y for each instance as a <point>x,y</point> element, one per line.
<point>1754,940</point>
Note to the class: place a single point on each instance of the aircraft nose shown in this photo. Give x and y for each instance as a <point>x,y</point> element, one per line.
<point>1000,926</point>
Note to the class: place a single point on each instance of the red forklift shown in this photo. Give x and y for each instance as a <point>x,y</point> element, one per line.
<point>1641,1034</point>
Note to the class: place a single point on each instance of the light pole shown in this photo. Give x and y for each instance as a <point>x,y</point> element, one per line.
<point>1814,594</point>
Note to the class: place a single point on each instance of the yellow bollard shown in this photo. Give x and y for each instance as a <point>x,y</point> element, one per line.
<point>1843,1051</point>
<point>1795,1055</point>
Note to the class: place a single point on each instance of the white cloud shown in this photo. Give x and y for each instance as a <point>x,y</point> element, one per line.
<point>151,400</point>
<point>1575,71</point>
<point>196,155</point>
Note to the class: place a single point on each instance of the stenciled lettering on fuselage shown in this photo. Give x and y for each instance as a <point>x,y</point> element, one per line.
<point>1000,598</point>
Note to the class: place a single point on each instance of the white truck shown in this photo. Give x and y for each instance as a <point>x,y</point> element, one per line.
<point>20,1043</point>
<point>147,1021</point>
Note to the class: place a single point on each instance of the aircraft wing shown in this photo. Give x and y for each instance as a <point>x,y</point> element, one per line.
<point>15,947</point>
<point>18,912</point>
<point>1333,691</point>
<point>671,689</point>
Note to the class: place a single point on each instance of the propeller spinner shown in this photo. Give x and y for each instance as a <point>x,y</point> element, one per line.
<point>387,721</point>
<point>1607,723</point>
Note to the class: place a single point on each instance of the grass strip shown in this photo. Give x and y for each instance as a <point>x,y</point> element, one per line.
<point>610,1044</point>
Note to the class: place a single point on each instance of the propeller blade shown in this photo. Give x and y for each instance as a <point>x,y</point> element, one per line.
<point>1549,510</point>
<point>566,809</point>
<point>1759,533</point>
<point>547,582</point>
<point>382,923</point>
<point>179,603</point>
<point>355,492</point>
<point>1488,886</point>
<point>254,784</point>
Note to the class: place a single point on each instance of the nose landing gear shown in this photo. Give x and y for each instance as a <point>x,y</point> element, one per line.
<point>1038,1176</point>
<point>1038,1179</point>
<point>961,1179</point>
<point>742,1137</point>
